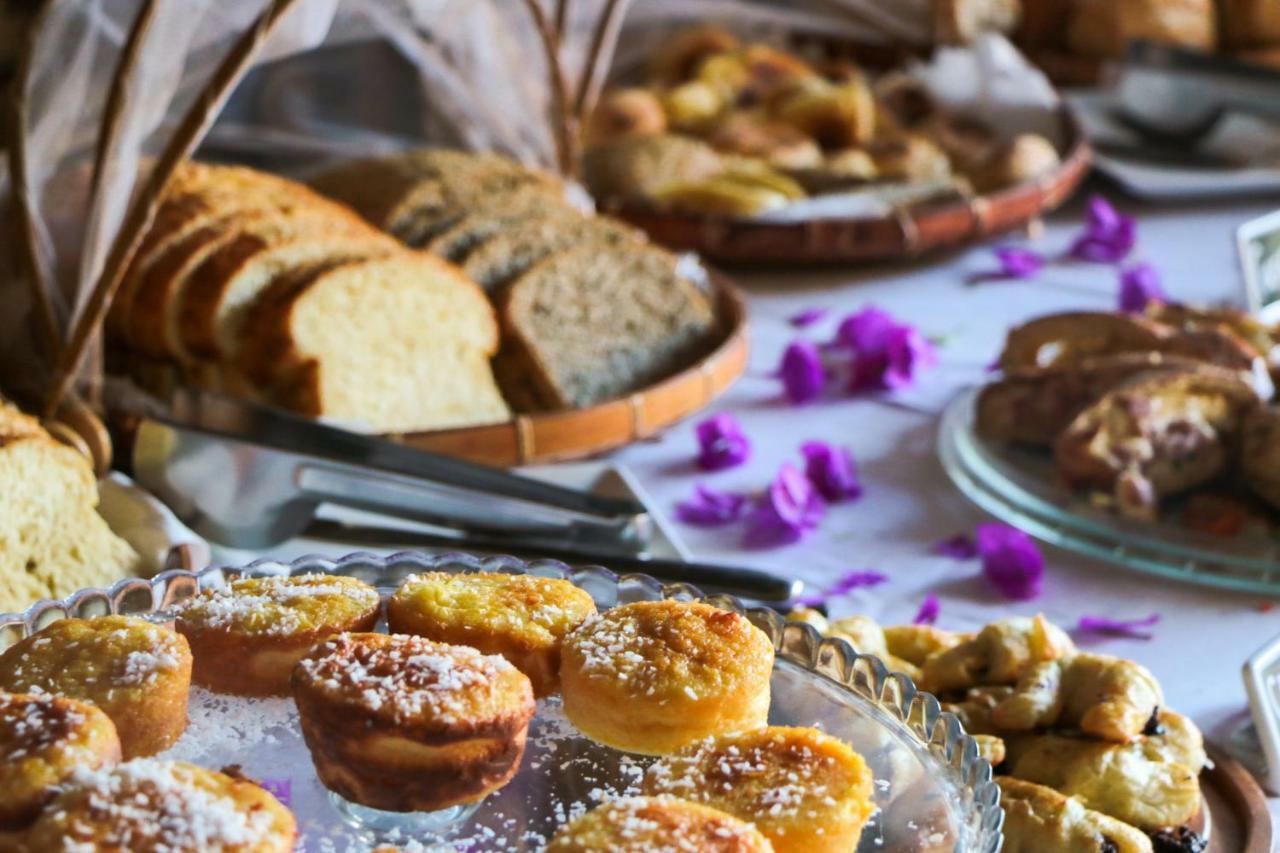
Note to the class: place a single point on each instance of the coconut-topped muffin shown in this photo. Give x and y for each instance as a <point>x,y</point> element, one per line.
<point>137,672</point>
<point>402,723</point>
<point>43,740</point>
<point>655,676</point>
<point>524,618</point>
<point>805,790</point>
<point>657,825</point>
<point>151,806</point>
<point>248,636</point>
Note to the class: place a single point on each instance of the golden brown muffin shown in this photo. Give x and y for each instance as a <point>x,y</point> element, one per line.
<point>137,672</point>
<point>804,790</point>
<point>655,676</point>
<point>657,825</point>
<point>247,637</point>
<point>43,740</point>
<point>521,617</point>
<point>151,806</point>
<point>404,724</point>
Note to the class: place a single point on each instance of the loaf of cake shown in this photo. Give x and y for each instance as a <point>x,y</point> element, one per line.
<point>52,540</point>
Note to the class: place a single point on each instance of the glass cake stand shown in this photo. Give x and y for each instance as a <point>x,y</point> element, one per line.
<point>933,790</point>
<point>1019,486</point>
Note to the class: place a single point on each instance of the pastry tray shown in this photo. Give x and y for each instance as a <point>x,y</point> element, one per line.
<point>1019,486</point>
<point>933,791</point>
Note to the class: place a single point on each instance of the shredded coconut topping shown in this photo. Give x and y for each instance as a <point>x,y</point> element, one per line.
<point>279,604</point>
<point>28,726</point>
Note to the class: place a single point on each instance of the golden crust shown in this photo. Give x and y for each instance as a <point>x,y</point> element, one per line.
<point>999,654</point>
<point>655,676</point>
<point>657,825</point>
<point>247,638</point>
<point>1039,819</point>
<point>521,617</point>
<point>404,724</point>
<point>43,740</point>
<point>804,790</point>
<point>147,806</point>
<point>137,672</point>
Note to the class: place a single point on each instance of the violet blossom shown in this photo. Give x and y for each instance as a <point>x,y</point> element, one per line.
<point>711,508</point>
<point>1017,263</point>
<point>958,547</point>
<point>789,507</point>
<point>721,443</point>
<point>1117,627</point>
<point>1109,236</point>
<point>1139,287</point>
<point>1011,561</point>
<point>845,584</point>
<point>886,354</point>
<point>807,317</point>
<point>831,470</point>
<point>928,612</point>
<point>802,372</point>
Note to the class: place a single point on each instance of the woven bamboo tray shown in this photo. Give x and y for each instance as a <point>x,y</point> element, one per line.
<point>559,436</point>
<point>912,231</point>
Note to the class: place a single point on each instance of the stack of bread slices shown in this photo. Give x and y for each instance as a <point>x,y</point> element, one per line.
<point>262,287</point>
<point>52,540</point>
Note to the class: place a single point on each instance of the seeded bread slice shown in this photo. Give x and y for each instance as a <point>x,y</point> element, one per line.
<point>513,250</point>
<point>211,311</point>
<point>600,321</point>
<point>495,215</point>
<point>396,344</point>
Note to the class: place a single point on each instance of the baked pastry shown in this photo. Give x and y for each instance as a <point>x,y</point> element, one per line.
<point>1000,654</point>
<point>247,637</point>
<point>778,143</point>
<point>1104,28</point>
<point>992,748</point>
<point>1107,697</point>
<point>1260,453</point>
<point>917,643</point>
<point>524,618</point>
<point>43,741</point>
<point>137,672</point>
<point>625,112</point>
<point>655,676</point>
<point>498,260</point>
<point>52,540</point>
<point>911,157</point>
<point>1024,158</point>
<point>1155,436</point>
<point>634,167</point>
<point>404,724</point>
<point>1072,337</point>
<point>149,806</point>
<point>975,706</point>
<point>599,321</point>
<point>679,57</point>
<point>1039,819</point>
<point>727,194</point>
<point>301,349</point>
<point>1035,405</point>
<point>1151,782</point>
<point>834,115</point>
<point>804,790</point>
<point>645,824</point>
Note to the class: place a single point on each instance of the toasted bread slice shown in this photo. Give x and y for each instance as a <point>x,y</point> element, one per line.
<point>601,321</point>
<point>416,359</point>
<point>1156,435</point>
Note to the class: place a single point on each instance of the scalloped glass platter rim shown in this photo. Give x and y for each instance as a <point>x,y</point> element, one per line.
<point>934,791</point>
<point>1017,486</point>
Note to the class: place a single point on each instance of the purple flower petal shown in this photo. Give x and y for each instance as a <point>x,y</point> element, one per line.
<point>846,584</point>
<point>1109,236</point>
<point>831,470</point>
<point>789,508</point>
<point>1117,627</point>
<point>806,318</point>
<point>868,330</point>
<point>279,787</point>
<point>803,376</point>
<point>958,547</point>
<point>721,443</point>
<point>1011,561</point>
<point>1017,262</point>
<point>886,354</point>
<point>909,352</point>
<point>1139,287</point>
<point>928,612</point>
<point>711,508</point>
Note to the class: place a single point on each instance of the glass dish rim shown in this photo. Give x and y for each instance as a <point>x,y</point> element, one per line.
<point>833,659</point>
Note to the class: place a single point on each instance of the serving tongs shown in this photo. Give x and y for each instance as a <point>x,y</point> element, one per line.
<point>249,476</point>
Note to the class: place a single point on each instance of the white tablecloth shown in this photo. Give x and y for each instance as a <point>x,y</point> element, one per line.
<point>1204,635</point>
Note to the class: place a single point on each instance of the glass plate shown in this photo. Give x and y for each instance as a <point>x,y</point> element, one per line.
<point>1019,486</point>
<point>933,790</point>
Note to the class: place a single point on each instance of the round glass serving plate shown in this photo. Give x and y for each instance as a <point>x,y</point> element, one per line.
<point>933,791</point>
<point>1019,485</point>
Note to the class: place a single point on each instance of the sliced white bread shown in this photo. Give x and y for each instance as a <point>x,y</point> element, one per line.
<point>394,344</point>
<point>600,321</point>
<point>52,540</point>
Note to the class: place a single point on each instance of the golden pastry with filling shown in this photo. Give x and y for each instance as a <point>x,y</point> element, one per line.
<point>247,637</point>
<point>804,790</point>
<point>403,724</point>
<point>1039,819</point>
<point>655,676</point>
<point>645,824</point>
<point>521,617</point>
<point>999,654</point>
<point>43,740</point>
<point>1107,697</point>
<point>151,806</point>
<point>137,672</point>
